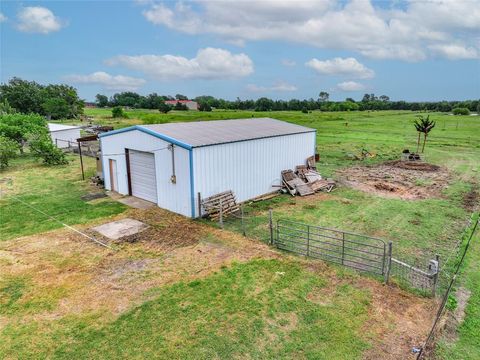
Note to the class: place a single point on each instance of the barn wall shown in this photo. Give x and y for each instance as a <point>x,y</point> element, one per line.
<point>173,197</point>
<point>249,168</point>
<point>64,136</point>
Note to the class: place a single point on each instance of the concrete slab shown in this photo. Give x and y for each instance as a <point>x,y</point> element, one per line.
<point>137,203</point>
<point>118,229</point>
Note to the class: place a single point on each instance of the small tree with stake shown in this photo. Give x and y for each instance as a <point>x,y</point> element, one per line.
<point>423,125</point>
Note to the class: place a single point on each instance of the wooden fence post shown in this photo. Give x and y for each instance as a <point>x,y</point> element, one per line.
<point>343,248</point>
<point>270,224</point>
<point>389,262</point>
<point>221,214</point>
<point>81,159</point>
<point>199,197</point>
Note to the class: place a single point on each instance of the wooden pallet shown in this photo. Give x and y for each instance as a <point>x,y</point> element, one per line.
<point>225,200</point>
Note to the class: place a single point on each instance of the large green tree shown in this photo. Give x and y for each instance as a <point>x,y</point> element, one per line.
<point>30,97</point>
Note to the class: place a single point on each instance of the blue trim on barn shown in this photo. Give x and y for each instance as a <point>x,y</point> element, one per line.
<point>101,161</point>
<point>192,184</point>
<point>150,132</point>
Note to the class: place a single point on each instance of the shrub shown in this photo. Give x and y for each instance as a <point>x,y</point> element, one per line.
<point>164,108</point>
<point>42,147</point>
<point>180,106</point>
<point>117,112</point>
<point>8,150</point>
<point>203,106</point>
<point>461,111</point>
<point>304,110</point>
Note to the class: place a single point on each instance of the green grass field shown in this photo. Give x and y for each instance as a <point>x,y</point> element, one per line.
<point>255,310</point>
<point>55,190</point>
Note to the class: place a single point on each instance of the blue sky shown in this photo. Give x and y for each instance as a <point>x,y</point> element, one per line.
<point>279,49</point>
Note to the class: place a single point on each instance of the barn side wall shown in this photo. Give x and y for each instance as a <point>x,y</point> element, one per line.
<point>64,136</point>
<point>248,168</point>
<point>173,197</point>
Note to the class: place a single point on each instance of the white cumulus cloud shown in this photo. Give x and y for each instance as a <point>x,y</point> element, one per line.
<point>38,19</point>
<point>403,30</point>
<point>209,63</point>
<point>341,66</point>
<point>350,86</point>
<point>280,86</point>
<point>109,82</point>
<point>2,18</point>
<point>456,52</point>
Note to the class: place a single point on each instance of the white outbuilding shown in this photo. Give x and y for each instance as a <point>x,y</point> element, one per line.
<point>172,164</point>
<point>64,136</point>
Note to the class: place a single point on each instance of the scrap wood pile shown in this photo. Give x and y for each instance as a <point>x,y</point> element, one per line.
<point>224,201</point>
<point>305,180</point>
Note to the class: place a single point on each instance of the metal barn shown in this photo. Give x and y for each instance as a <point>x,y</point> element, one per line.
<point>170,164</point>
<point>64,136</point>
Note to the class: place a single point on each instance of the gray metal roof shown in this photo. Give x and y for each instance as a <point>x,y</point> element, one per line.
<point>202,133</point>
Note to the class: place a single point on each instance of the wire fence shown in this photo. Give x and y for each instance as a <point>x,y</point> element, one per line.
<point>360,252</point>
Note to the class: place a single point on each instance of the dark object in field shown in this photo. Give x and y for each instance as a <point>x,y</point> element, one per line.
<point>93,196</point>
<point>406,151</point>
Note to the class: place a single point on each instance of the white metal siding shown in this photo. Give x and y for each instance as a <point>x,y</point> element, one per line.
<point>142,175</point>
<point>62,137</point>
<point>249,168</point>
<point>173,197</point>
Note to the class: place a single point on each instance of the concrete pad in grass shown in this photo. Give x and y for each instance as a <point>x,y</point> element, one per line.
<point>118,229</point>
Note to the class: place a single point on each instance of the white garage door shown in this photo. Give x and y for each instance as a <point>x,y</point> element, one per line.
<point>142,175</point>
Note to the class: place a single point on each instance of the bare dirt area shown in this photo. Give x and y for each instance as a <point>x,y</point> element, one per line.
<point>398,179</point>
<point>399,321</point>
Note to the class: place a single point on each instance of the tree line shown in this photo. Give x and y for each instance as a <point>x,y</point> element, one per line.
<point>323,103</point>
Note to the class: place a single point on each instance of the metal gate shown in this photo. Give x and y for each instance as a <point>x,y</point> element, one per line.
<point>360,252</point>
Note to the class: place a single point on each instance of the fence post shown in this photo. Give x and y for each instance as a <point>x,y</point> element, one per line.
<point>343,248</point>
<point>270,224</point>
<point>308,240</point>
<point>389,262</point>
<point>221,214</point>
<point>435,276</point>
<point>199,197</point>
<point>243,222</point>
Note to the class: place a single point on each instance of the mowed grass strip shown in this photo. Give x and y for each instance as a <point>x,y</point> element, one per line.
<point>55,190</point>
<point>258,309</point>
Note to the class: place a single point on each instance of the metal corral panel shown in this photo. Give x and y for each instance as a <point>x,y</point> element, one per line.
<point>174,197</point>
<point>142,175</point>
<point>249,168</point>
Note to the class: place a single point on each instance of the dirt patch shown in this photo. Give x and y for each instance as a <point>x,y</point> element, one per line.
<point>399,321</point>
<point>472,198</point>
<point>398,179</point>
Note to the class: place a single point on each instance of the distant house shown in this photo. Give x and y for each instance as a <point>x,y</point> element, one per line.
<point>191,105</point>
<point>64,136</point>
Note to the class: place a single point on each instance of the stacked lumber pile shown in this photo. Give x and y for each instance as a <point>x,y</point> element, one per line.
<point>225,200</point>
<point>306,180</point>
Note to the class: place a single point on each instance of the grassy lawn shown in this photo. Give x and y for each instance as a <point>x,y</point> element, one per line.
<point>467,346</point>
<point>55,190</point>
<point>259,309</point>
